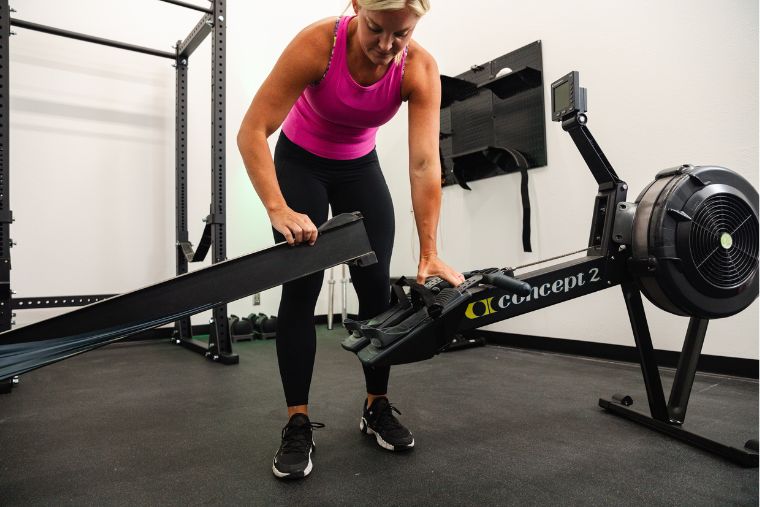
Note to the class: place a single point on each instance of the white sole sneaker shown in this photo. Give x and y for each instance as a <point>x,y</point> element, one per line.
<point>298,475</point>
<point>364,427</point>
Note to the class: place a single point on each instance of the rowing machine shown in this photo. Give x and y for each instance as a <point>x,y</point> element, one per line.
<point>689,242</point>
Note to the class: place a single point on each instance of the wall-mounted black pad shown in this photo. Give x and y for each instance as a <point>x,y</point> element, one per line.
<point>493,122</point>
<point>481,109</point>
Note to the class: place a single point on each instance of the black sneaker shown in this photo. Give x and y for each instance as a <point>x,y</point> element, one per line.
<point>379,420</point>
<point>293,459</point>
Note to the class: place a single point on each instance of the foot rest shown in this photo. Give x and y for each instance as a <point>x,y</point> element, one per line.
<point>357,341</point>
<point>388,318</point>
<point>354,343</point>
<point>383,336</point>
<point>419,337</point>
<point>408,305</point>
<point>432,326</point>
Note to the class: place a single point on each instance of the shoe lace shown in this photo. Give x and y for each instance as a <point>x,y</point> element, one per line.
<point>297,438</point>
<point>386,419</point>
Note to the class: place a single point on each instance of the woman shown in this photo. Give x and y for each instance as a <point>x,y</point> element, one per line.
<point>332,87</point>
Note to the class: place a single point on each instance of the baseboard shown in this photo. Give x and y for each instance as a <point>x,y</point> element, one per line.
<point>734,366</point>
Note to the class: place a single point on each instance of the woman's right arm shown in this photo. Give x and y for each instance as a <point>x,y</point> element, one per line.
<point>303,61</point>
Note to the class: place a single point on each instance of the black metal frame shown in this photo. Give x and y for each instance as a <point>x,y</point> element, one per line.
<point>89,38</point>
<point>668,417</point>
<point>6,215</point>
<point>58,301</point>
<point>212,23</point>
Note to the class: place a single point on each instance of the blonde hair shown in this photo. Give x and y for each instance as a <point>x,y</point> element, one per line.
<point>419,7</point>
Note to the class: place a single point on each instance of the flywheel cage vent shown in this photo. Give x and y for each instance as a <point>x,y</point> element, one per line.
<point>724,241</point>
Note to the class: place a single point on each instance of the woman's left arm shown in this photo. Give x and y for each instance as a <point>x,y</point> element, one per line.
<point>424,95</point>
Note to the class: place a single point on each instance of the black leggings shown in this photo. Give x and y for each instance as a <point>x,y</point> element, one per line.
<point>309,184</point>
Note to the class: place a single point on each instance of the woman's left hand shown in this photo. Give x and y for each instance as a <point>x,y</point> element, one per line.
<point>431,265</point>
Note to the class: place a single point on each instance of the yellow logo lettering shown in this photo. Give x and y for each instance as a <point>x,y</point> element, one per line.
<point>474,310</point>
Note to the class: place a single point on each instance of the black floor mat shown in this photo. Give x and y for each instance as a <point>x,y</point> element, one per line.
<point>150,423</point>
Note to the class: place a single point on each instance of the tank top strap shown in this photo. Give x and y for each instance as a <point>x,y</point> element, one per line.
<point>338,50</point>
<point>341,36</point>
<point>403,61</point>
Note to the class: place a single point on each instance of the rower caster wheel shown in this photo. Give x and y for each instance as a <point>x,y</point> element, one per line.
<point>460,342</point>
<point>623,399</point>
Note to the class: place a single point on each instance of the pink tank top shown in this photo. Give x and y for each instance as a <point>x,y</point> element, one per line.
<point>338,118</point>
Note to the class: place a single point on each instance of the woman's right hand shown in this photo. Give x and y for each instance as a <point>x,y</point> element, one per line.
<point>296,227</point>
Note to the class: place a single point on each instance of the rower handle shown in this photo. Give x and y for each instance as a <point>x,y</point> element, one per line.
<point>509,284</point>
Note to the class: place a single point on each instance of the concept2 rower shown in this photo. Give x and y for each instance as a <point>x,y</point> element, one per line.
<point>689,243</point>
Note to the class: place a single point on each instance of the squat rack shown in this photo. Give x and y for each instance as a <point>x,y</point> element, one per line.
<point>212,23</point>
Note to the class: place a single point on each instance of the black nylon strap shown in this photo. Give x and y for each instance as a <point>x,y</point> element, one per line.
<point>522,164</point>
<point>526,209</point>
<point>506,159</point>
<point>399,296</point>
<point>423,293</point>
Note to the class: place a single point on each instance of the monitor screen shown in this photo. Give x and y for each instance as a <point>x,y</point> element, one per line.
<point>562,97</point>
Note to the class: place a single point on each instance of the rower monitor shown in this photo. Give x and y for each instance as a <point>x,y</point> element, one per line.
<point>568,98</point>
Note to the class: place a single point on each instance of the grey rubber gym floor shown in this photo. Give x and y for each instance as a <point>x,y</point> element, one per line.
<point>150,423</point>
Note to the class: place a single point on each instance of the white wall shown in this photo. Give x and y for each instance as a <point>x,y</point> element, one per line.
<point>92,140</point>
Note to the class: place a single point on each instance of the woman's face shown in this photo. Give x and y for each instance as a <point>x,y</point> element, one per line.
<point>383,34</point>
